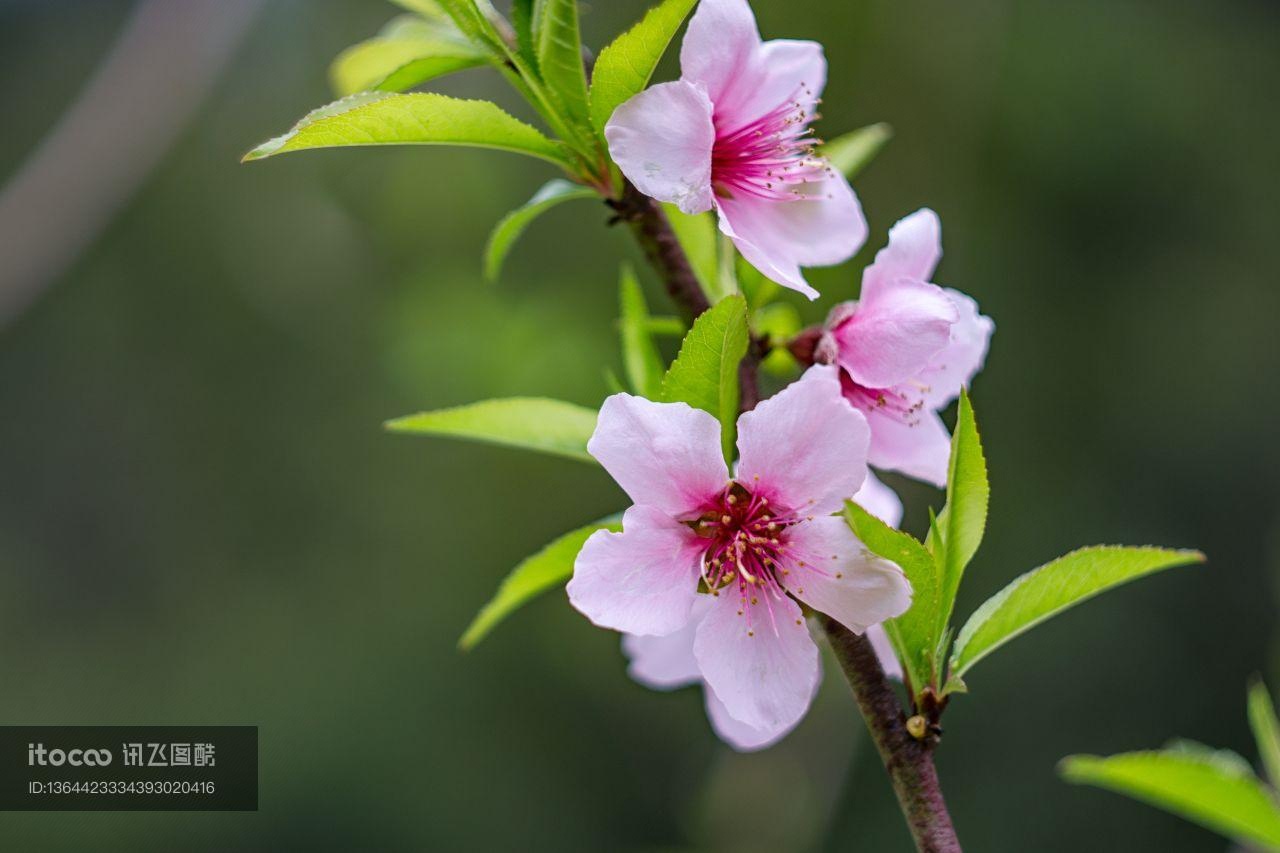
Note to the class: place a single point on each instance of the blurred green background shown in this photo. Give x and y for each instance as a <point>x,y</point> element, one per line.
<point>202,521</point>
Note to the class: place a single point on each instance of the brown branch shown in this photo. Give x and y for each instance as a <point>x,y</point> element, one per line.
<point>662,248</point>
<point>908,761</point>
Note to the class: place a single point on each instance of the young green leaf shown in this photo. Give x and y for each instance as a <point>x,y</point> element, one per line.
<point>964,519</point>
<point>408,52</point>
<point>639,355</point>
<point>430,9</point>
<point>559,45</point>
<point>918,627</point>
<point>697,236</point>
<point>666,327</point>
<point>705,372</point>
<point>549,567</point>
<point>472,22</point>
<point>1200,785</point>
<point>380,118</point>
<point>854,151</point>
<point>625,66</point>
<point>1266,729</point>
<point>523,16</point>
<point>1053,588</point>
<point>508,230</point>
<point>531,423</point>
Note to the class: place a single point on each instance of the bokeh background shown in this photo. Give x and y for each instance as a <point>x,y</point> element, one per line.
<point>202,521</point>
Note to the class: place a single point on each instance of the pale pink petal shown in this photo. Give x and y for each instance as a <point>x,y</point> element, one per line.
<point>879,500</point>
<point>739,735</point>
<point>805,448</point>
<point>829,569</point>
<point>763,669</point>
<point>920,449</point>
<point>662,140</point>
<point>779,237</point>
<point>643,580</point>
<point>666,455</point>
<point>957,364</point>
<point>915,246</point>
<point>666,663</point>
<point>720,45</point>
<point>895,333</point>
<point>779,72</point>
<point>884,652</point>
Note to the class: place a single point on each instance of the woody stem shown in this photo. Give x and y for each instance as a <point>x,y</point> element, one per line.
<point>907,760</point>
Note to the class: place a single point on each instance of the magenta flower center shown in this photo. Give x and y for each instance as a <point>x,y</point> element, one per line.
<point>903,404</point>
<point>771,157</point>
<point>748,551</point>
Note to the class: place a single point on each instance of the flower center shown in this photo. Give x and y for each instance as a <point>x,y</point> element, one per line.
<point>902,403</point>
<point>771,157</point>
<point>747,543</point>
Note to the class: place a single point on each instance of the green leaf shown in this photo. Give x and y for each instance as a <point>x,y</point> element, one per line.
<point>508,230</point>
<point>473,23</point>
<point>1051,589</point>
<point>639,355</point>
<point>697,236</point>
<point>964,519</point>
<point>531,423</point>
<point>705,372</point>
<point>429,9</point>
<point>917,629</point>
<point>522,18</point>
<point>853,152</point>
<point>559,45</point>
<point>667,327</point>
<point>624,68</point>
<point>1266,729</point>
<point>1200,786</point>
<point>379,118</point>
<point>549,567</point>
<point>408,52</point>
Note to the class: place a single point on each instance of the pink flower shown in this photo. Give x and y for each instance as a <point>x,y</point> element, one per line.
<point>905,350</point>
<point>721,562</point>
<point>733,134</point>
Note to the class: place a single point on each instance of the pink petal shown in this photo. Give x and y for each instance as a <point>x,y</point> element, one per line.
<point>666,663</point>
<point>764,678</point>
<point>919,449</point>
<point>895,333</point>
<point>884,652</point>
<point>778,72</point>
<point>719,45</point>
<point>829,569</point>
<point>915,246</point>
<point>643,580</point>
<point>879,500</point>
<point>738,735</point>
<point>957,364</point>
<point>662,140</point>
<point>666,455</point>
<point>779,237</point>
<point>805,448</point>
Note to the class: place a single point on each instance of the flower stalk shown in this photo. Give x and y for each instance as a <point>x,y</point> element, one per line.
<point>907,760</point>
